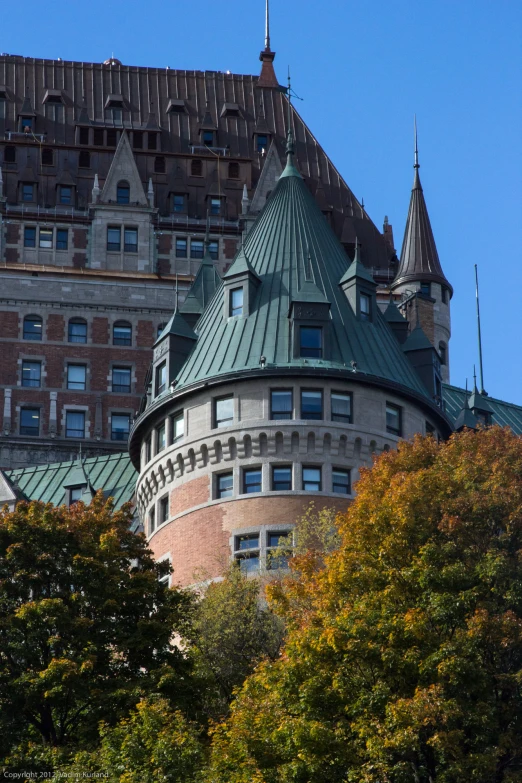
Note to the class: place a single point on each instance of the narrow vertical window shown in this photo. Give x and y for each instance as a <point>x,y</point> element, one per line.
<point>76,376</point>
<point>31,373</point>
<point>342,407</point>
<point>178,427</point>
<point>123,193</point>
<point>311,479</point>
<point>281,404</point>
<point>281,478</point>
<point>161,439</point>
<point>236,302</point>
<point>114,238</point>
<point>161,378</point>
<point>224,485</point>
<point>311,404</point>
<point>45,238</point>
<point>223,411</point>
<point>311,342</point>
<point>75,424</point>
<point>341,481</point>
<point>32,327</point>
<point>251,480</point>
<point>365,304</point>
<point>393,419</point>
<point>30,421</point>
<point>30,236</point>
<point>62,238</point>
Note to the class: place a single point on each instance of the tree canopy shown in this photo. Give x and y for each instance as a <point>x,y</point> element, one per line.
<point>403,659</point>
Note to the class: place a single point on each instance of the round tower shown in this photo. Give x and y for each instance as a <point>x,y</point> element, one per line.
<point>426,293</point>
<point>285,387</point>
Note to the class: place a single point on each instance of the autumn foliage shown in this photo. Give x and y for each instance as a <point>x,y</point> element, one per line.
<point>403,661</point>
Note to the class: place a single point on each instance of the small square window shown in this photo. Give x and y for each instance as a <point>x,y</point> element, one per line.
<point>161,378</point>
<point>223,411</point>
<point>342,407</point>
<point>311,342</point>
<point>247,542</point>
<point>393,419</point>
<point>31,374</point>
<point>181,248</point>
<point>26,123</point>
<point>27,192</point>
<point>312,479</point>
<point>215,206</point>
<point>197,248</point>
<point>236,302</point>
<point>311,404</point>
<point>178,203</point>
<point>130,240</point>
<point>281,478</point>
<point>365,304</point>
<point>213,249</point>
<point>30,421</point>
<point>45,239</point>
<point>277,538</point>
<point>123,194</point>
<point>75,494</point>
<point>121,379</point>
<point>29,236</point>
<point>75,424</point>
<point>161,437</point>
<point>178,427</point>
<point>341,481</point>
<point>114,238</point>
<point>62,238</point>
<point>251,480</point>
<point>163,508</point>
<point>76,376</point>
<point>65,194</point>
<point>224,485</point>
<point>281,404</point>
<point>120,426</point>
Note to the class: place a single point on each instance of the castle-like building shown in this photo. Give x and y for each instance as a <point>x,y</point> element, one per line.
<point>190,271</point>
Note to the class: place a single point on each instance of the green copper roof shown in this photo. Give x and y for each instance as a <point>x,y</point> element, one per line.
<point>394,315</point>
<point>177,325</point>
<point>240,265</point>
<point>417,341</point>
<point>113,473</point>
<point>357,269</point>
<point>203,287</point>
<point>506,414</point>
<point>289,247</point>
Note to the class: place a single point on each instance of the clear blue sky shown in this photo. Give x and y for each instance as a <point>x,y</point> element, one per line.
<point>363,70</point>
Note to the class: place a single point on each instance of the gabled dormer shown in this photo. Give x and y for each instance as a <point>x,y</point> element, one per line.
<point>480,407</point>
<point>171,350</point>
<point>359,288</point>
<point>466,418</point>
<point>426,362</point>
<point>208,129</point>
<point>397,322</point>
<point>123,186</point>
<point>77,485</point>
<point>310,325</point>
<point>240,288</point>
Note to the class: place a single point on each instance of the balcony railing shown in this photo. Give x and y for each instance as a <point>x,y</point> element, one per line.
<point>203,148</point>
<point>17,135</point>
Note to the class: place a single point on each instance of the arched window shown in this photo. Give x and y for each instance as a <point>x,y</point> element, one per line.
<point>196,168</point>
<point>122,333</point>
<point>233,170</point>
<point>123,192</point>
<point>77,330</point>
<point>33,327</point>
<point>443,352</point>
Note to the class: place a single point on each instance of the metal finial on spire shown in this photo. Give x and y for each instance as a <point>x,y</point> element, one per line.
<point>267,27</point>
<point>482,391</point>
<point>290,135</point>
<point>207,232</point>
<point>416,152</point>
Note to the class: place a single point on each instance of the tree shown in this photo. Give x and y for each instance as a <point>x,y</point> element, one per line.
<point>230,633</point>
<point>85,625</point>
<point>403,660</point>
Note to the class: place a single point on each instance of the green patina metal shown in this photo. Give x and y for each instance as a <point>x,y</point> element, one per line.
<point>505,414</point>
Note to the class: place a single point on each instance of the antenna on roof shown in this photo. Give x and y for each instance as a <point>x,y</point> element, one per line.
<point>267,27</point>
<point>176,291</point>
<point>482,391</point>
<point>416,151</point>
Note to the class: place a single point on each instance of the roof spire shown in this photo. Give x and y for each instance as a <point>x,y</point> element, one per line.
<point>416,152</point>
<point>267,77</point>
<point>267,27</point>
<point>290,169</point>
<point>482,391</point>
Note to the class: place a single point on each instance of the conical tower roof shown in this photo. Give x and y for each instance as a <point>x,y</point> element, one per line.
<point>290,248</point>
<point>419,259</point>
<point>204,284</point>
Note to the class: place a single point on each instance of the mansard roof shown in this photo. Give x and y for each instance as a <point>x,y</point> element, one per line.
<point>292,249</point>
<point>419,260</point>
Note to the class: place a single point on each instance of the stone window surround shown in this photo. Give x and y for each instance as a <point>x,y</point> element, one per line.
<point>28,404</point>
<point>262,531</point>
<point>31,357</point>
<point>74,409</point>
<point>36,250</point>
<point>119,411</point>
<point>27,312</point>
<point>123,364</point>
<point>86,363</point>
<point>124,317</point>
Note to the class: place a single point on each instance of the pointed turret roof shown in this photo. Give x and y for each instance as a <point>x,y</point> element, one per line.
<point>123,167</point>
<point>177,326</point>
<point>204,284</point>
<point>357,269</point>
<point>393,315</point>
<point>478,402</point>
<point>292,248</point>
<point>417,341</point>
<point>419,259</point>
<point>466,417</point>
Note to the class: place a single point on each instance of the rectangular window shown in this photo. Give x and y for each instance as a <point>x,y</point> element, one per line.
<point>252,480</point>
<point>341,481</point>
<point>75,424</point>
<point>29,421</point>
<point>163,508</point>
<point>197,248</point>
<point>75,494</point>
<point>31,373</point>
<point>113,238</point>
<point>213,249</point>
<point>112,140</point>
<point>249,562</point>
<point>148,449</point>
<point>444,294</point>
<point>45,238</point>
<point>3,104</point>
<point>152,520</point>
<point>208,138</point>
<point>311,342</point>
<point>120,426</point>
<point>247,542</point>
<point>29,236</point>
<point>161,378</point>
<point>121,333</point>
<point>130,240</point>
<point>161,439</point>
<point>65,194</point>
<point>62,238</point>
<point>97,137</point>
<point>311,479</point>
<point>224,485</point>
<point>121,379</point>
<point>342,407</point>
<point>311,404</point>
<point>215,206</point>
<point>281,478</point>
<point>236,302</point>
<point>77,331</point>
<point>262,142</point>
<point>277,559</point>
<point>393,419</point>
<point>364,302</point>
<point>137,140</point>
<point>27,192</point>
<point>26,122</point>
<point>178,427</point>
<point>425,289</point>
<point>84,159</point>
<point>178,203</point>
<point>84,136</point>
<point>152,141</point>
<point>181,248</point>
<point>281,404</point>
<point>76,376</point>
<point>32,327</point>
<point>123,194</point>
<point>223,411</point>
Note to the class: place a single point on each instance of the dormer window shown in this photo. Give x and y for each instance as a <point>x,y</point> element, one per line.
<point>208,138</point>
<point>54,108</point>
<point>26,124</point>
<point>365,305</point>
<point>215,206</point>
<point>161,378</point>
<point>123,193</point>
<point>311,342</point>
<point>75,494</point>
<point>262,142</point>
<point>178,202</point>
<point>176,106</point>
<point>236,302</point>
